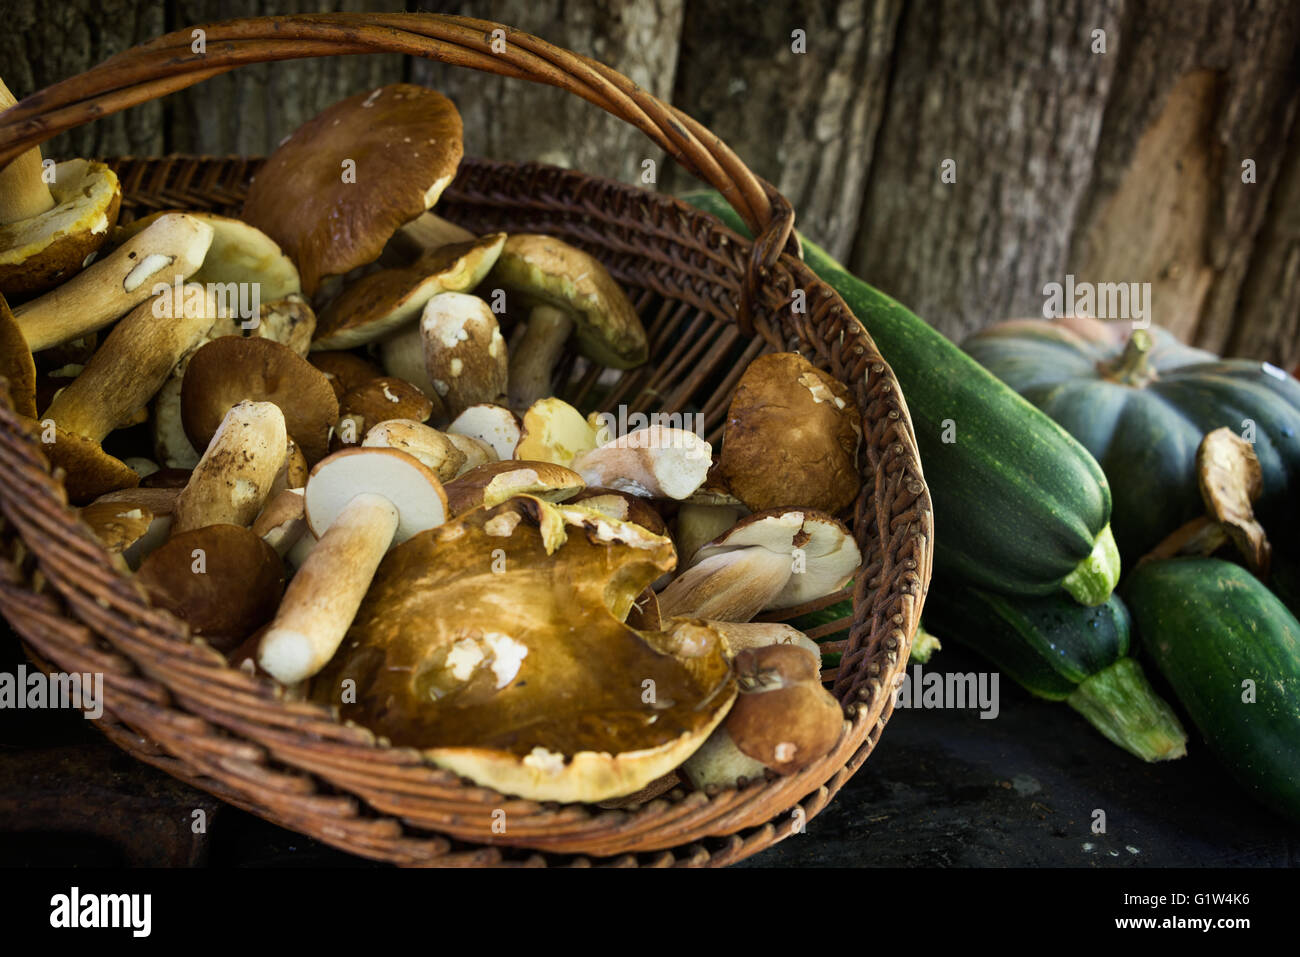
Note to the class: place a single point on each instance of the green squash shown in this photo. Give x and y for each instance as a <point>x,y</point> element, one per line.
<point>1141,404</point>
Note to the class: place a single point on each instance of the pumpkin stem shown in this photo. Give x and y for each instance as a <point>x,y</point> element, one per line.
<point>1133,367</point>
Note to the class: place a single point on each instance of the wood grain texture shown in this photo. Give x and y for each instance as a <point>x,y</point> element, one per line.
<point>512,120</point>
<point>247,112</point>
<point>806,121</point>
<point>42,42</point>
<point>1201,85</point>
<point>1014,96</point>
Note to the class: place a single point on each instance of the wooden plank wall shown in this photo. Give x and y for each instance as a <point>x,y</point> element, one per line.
<point>1115,165</point>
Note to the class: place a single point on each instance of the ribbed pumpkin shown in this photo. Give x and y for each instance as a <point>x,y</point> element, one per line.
<point>1140,401</point>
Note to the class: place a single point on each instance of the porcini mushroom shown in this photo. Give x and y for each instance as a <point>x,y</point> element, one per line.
<point>129,367</point>
<point>382,399</point>
<point>51,230</point>
<point>334,192</point>
<point>464,352</point>
<point>437,451</point>
<point>359,503</point>
<point>566,292</point>
<point>783,720</point>
<point>238,469</point>
<point>222,580</point>
<point>493,425</point>
<point>494,482</point>
<point>347,371</point>
<point>497,654</point>
<point>774,559</point>
<point>476,451</point>
<point>381,303</point>
<point>654,462</point>
<point>554,431</point>
<point>791,437</point>
<point>230,369</point>
<point>167,252</point>
<point>1231,480</point>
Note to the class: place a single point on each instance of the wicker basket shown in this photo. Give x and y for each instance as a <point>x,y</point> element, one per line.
<point>711,301</point>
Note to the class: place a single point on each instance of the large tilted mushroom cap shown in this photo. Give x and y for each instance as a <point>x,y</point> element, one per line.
<point>405,142</point>
<point>380,303</point>
<point>504,663</point>
<point>39,252</point>
<point>774,559</point>
<point>231,369</point>
<point>791,437</point>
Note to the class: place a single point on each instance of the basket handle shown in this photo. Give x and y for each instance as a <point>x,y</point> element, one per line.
<point>169,63</point>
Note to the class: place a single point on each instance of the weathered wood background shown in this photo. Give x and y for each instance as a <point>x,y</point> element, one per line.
<point>1115,166</point>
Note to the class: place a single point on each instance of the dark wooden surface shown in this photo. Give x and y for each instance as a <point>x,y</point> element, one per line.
<point>1116,166</point>
<point>943,789</point>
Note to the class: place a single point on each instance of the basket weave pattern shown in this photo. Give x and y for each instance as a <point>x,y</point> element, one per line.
<point>711,302</point>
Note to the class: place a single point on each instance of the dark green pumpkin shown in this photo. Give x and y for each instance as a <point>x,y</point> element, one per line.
<point>1141,404</point>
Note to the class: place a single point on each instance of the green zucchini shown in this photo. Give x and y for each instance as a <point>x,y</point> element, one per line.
<point>1058,650</point>
<point>1020,506</point>
<point>1221,638</point>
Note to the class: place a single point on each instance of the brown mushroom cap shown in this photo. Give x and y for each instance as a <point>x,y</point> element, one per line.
<point>223,580</point>
<point>523,680</point>
<point>386,398</point>
<point>345,370</point>
<point>791,437</point>
<point>117,525</point>
<point>405,141</point>
<point>492,483</point>
<point>464,351</point>
<point>231,369</point>
<point>382,302</point>
<point>89,471</point>
<point>783,717</point>
<point>42,251</point>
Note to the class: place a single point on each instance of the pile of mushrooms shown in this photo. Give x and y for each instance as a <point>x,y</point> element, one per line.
<point>366,490</point>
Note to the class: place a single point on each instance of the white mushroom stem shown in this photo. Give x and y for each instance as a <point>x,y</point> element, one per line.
<point>730,586</point>
<point>533,361</point>
<point>324,596</point>
<point>23,192</point>
<point>402,356</point>
<point>170,248</point>
<point>237,471</point>
<point>654,462</point>
<point>132,364</point>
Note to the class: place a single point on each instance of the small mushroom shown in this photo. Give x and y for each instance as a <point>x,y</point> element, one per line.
<point>359,503</point>
<point>525,679</point>
<point>740,635</point>
<point>50,231</point>
<point>402,144</point>
<point>491,484</point>
<point>464,352</point>
<point>783,720</point>
<point>432,448</point>
<point>158,504</point>
<point>774,559</point>
<point>382,399</point>
<point>288,321</point>
<point>653,462</point>
<point>117,525</point>
<point>235,476</point>
<point>130,366</point>
<point>493,425</point>
<point>282,522</point>
<point>567,292</point>
<point>222,580</point>
<point>554,431</point>
<point>381,303</point>
<point>231,369</point>
<point>791,437</point>
<point>1231,480</point>
<point>167,252</point>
